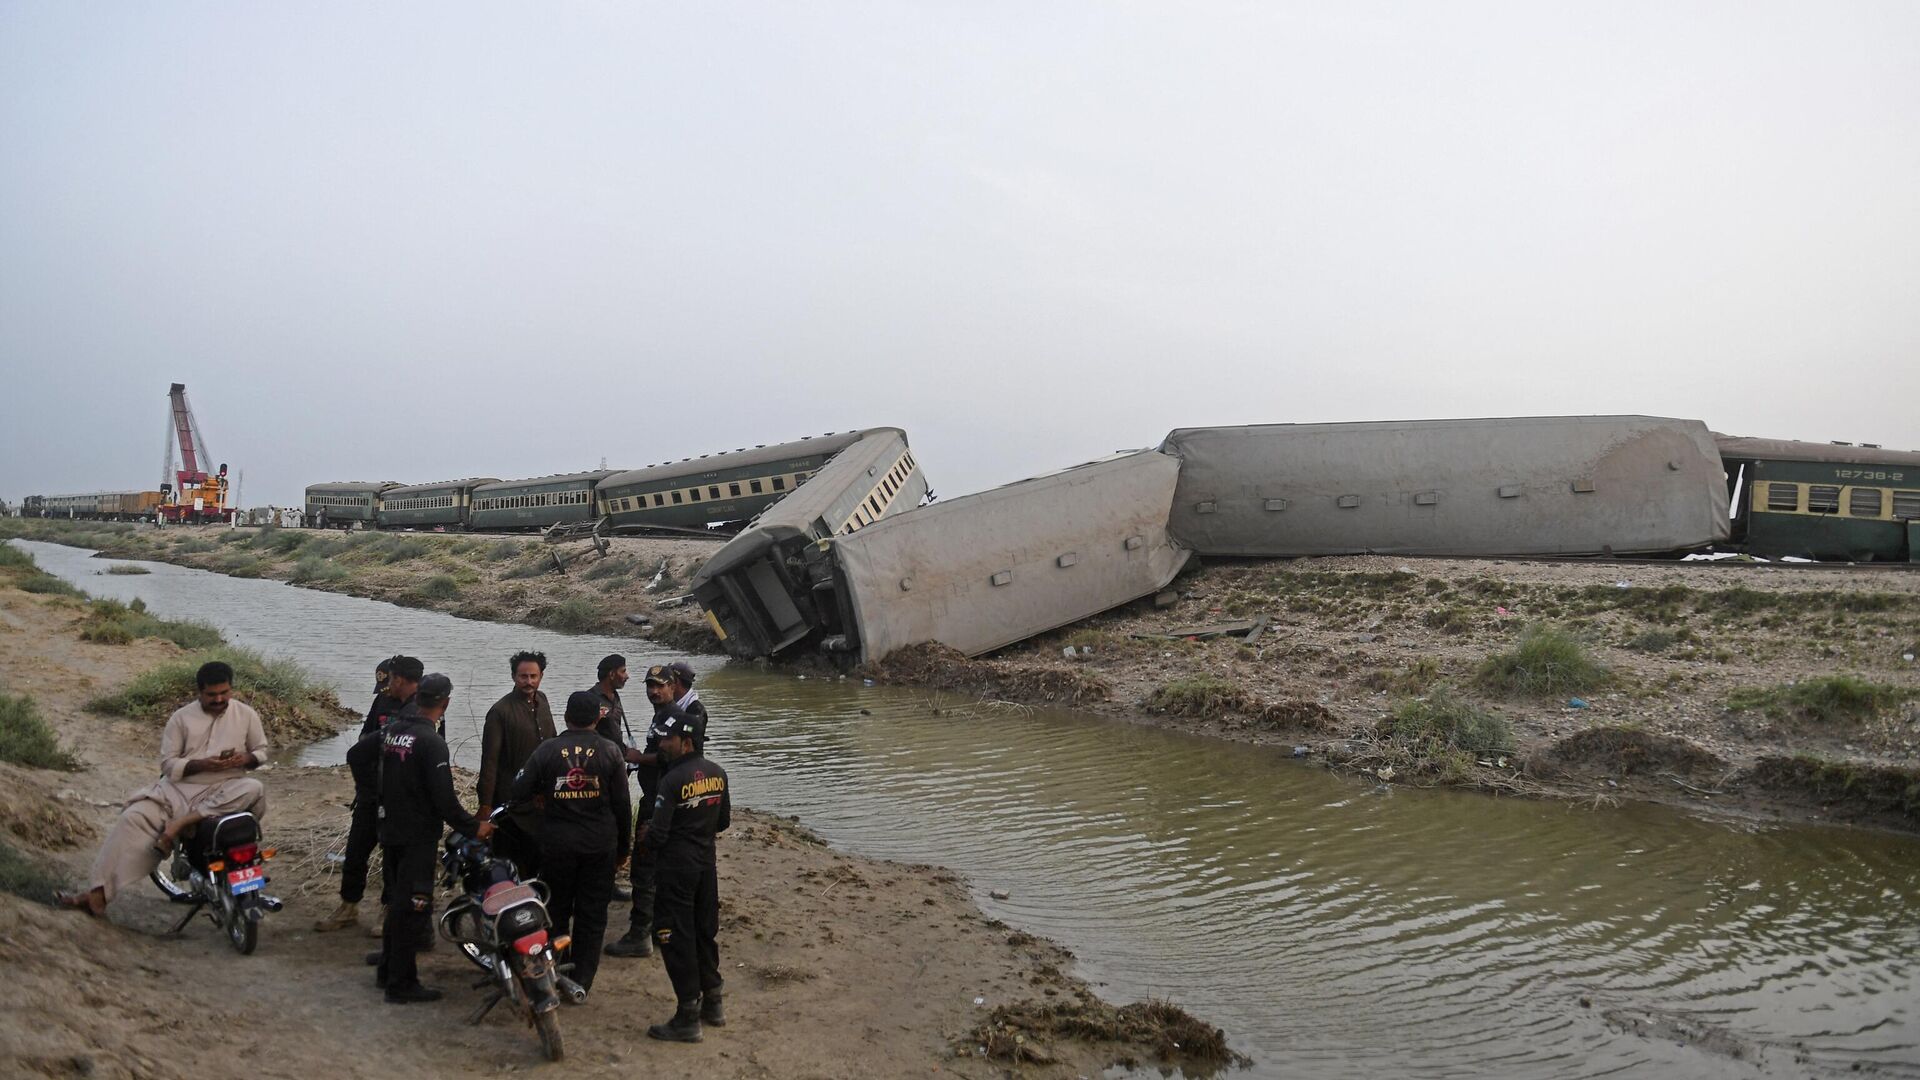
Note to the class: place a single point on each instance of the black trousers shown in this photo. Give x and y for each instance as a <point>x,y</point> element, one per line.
<point>686,927</point>
<point>408,877</point>
<point>582,888</point>
<point>640,875</point>
<point>362,836</point>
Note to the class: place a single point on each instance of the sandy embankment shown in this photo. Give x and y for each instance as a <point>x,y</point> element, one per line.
<point>836,965</point>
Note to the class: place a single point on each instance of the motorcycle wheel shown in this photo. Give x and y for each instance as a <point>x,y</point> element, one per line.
<point>243,933</point>
<point>548,1024</point>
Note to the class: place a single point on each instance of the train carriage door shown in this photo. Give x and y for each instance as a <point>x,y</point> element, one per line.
<point>781,611</point>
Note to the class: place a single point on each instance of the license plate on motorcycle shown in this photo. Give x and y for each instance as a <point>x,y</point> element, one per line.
<point>246,879</point>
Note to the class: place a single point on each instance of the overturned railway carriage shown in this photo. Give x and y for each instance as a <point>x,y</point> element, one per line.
<point>1551,485</point>
<point>424,506</point>
<point>536,503</point>
<point>715,489</point>
<point>1824,500</point>
<point>771,587</point>
<point>345,503</point>
<point>975,573</point>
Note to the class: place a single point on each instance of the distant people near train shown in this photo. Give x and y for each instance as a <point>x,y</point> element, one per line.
<point>515,725</point>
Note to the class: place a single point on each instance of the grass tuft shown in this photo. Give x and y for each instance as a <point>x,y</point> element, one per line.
<point>1545,662</point>
<point>576,615</point>
<point>25,738</point>
<point>25,876</point>
<point>1823,699</point>
<point>292,706</point>
<point>1444,721</point>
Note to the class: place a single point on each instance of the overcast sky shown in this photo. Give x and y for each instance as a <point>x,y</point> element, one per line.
<point>419,241</point>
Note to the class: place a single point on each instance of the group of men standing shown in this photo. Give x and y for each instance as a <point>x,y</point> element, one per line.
<point>558,805</point>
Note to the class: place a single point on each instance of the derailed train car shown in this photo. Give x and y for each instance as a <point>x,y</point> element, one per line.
<point>772,586</point>
<point>1823,500</point>
<point>417,506</point>
<point>724,489</point>
<point>1546,485</point>
<point>974,573</point>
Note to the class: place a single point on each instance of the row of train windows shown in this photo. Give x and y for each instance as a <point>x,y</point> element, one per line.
<point>428,502</point>
<point>1861,502</point>
<point>519,502</point>
<point>877,500</point>
<point>339,500</point>
<point>734,489</point>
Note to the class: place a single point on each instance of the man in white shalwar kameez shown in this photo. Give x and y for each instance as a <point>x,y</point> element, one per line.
<point>205,752</point>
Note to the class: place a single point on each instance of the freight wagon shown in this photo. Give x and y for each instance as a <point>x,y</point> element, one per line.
<point>97,506</point>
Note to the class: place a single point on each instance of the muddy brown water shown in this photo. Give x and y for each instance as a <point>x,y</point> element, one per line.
<point>1334,927</point>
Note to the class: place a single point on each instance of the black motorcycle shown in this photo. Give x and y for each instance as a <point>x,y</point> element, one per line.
<point>221,867</point>
<point>500,923</point>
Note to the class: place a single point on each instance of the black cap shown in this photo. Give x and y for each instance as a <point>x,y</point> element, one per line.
<point>658,673</point>
<point>674,724</point>
<point>434,688</point>
<point>683,671</point>
<point>583,708</point>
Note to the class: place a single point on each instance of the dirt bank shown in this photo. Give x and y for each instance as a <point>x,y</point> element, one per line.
<point>836,965</point>
<point>1770,690</point>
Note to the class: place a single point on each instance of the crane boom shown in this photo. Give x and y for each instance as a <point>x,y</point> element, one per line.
<point>185,431</point>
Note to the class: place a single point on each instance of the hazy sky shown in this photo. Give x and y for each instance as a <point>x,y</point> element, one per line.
<point>415,241</point>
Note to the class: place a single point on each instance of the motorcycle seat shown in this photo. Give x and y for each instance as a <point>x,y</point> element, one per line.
<point>211,839</point>
<point>506,894</point>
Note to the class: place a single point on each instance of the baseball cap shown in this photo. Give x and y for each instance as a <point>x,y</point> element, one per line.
<point>435,687</point>
<point>658,673</point>
<point>674,724</point>
<point>682,671</point>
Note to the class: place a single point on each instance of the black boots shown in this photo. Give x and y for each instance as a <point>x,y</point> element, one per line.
<point>633,944</point>
<point>684,1027</point>
<point>710,1012</point>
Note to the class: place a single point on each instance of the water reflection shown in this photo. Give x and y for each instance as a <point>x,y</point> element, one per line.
<point>1335,928</point>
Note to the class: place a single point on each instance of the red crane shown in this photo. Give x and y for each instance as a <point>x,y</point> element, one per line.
<point>191,495</point>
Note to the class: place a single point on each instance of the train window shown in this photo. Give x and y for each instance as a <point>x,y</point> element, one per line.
<point>660,499</point>
<point>754,486</point>
<point>1865,502</point>
<point>695,492</point>
<point>676,498</point>
<point>1906,504</point>
<point>733,489</point>
<point>713,492</point>
<point>1783,496</point>
<point>1823,498</point>
<point>779,483</point>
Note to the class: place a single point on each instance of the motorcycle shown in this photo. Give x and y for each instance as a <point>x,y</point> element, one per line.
<point>221,866</point>
<point>500,923</point>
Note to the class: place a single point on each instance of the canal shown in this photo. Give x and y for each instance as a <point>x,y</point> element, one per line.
<point>1335,928</point>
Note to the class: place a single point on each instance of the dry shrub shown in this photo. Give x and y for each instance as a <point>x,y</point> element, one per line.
<point>1859,789</point>
<point>945,668</point>
<point>1623,751</point>
<point>1160,1029</point>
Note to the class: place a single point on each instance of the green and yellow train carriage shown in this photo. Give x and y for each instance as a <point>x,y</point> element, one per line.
<point>425,506</point>
<point>727,488</point>
<point>345,504</point>
<point>1824,500</point>
<point>536,503</point>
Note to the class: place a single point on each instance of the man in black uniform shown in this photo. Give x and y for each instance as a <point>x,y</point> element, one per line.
<point>613,720</point>
<point>670,691</point>
<point>586,827</point>
<point>395,681</point>
<point>693,805</point>
<point>416,800</point>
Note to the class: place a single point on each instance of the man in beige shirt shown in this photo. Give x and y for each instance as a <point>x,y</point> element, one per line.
<point>205,752</point>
